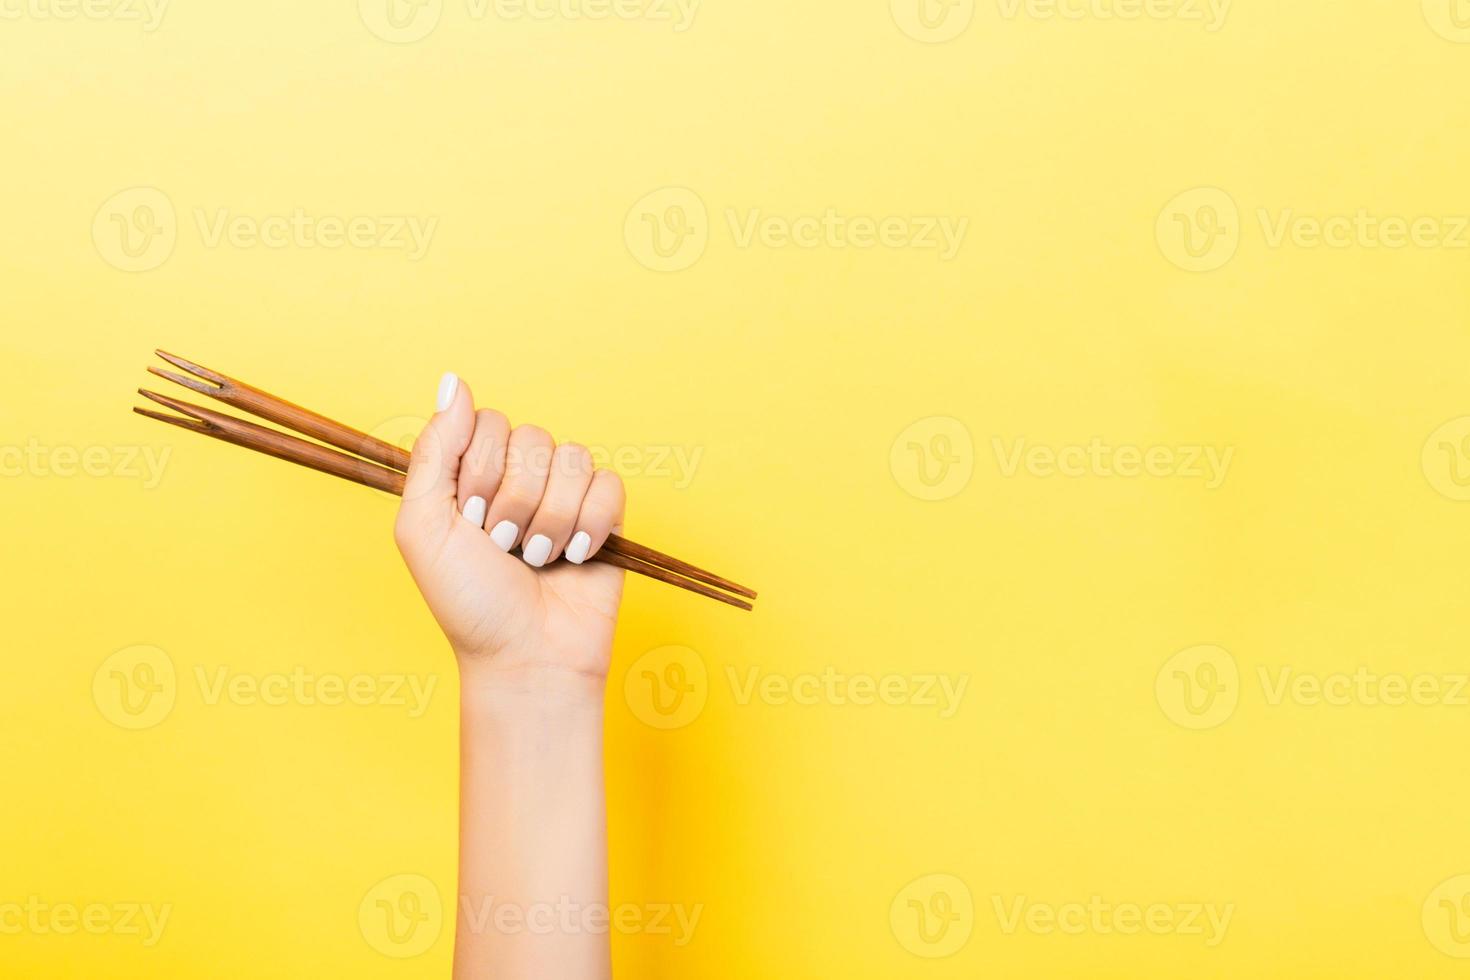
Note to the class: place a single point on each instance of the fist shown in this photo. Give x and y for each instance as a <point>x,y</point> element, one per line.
<point>497,526</point>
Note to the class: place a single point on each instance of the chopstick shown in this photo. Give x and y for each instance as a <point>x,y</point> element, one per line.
<point>376,463</point>
<point>273,409</point>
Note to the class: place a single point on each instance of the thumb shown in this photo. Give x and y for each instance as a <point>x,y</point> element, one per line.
<point>433,471</point>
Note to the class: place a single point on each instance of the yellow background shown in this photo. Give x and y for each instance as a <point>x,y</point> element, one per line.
<point>1332,544</point>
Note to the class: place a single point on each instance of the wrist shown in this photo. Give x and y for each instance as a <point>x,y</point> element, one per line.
<point>539,689</point>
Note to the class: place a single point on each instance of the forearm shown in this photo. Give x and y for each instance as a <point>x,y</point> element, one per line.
<point>533,844</point>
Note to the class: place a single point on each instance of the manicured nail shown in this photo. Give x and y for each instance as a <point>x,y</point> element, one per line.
<point>577,550</point>
<point>448,388</point>
<point>504,535</point>
<point>474,511</point>
<point>537,550</point>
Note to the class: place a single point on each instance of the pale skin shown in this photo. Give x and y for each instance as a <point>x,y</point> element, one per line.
<point>497,525</point>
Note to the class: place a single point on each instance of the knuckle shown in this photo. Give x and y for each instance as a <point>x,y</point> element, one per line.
<point>610,481</point>
<point>555,515</point>
<point>492,419</point>
<point>485,458</point>
<point>519,496</point>
<point>573,459</point>
<point>531,434</point>
<point>528,461</point>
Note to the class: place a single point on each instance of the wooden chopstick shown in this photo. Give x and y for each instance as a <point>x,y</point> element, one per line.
<point>239,432</point>
<point>207,421</point>
<point>293,416</point>
<point>282,446</point>
<point>309,454</point>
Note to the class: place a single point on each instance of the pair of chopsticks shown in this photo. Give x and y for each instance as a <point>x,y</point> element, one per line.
<point>373,463</point>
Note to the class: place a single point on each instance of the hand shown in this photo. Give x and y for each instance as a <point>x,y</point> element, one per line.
<point>478,490</point>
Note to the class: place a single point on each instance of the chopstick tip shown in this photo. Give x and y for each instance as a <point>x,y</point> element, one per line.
<point>193,384</point>
<point>191,367</point>
<point>182,407</point>
<point>192,424</point>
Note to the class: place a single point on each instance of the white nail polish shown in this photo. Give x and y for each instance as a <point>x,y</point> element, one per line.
<point>580,545</point>
<point>504,535</point>
<point>474,511</point>
<point>448,388</point>
<point>537,550</point>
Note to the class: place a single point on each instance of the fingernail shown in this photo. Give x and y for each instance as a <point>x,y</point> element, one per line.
<point>537,550</point>
<point>504,535</point>
<point>448,388</point>
<point>577,550</point>
<point>474,511</point>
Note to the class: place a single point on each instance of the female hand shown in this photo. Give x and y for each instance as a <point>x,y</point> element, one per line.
<point>478,490</point>
<point>534,637</point>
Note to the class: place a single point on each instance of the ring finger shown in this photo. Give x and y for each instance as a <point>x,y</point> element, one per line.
<point>551,528</point>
